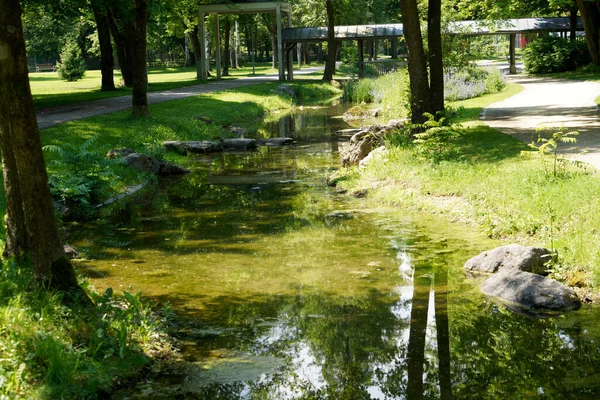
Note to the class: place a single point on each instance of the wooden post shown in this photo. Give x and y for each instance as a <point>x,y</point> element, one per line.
<point>361,58</point>
<point>217,47</point>
<point>201,67</point>
<point>511,50</point>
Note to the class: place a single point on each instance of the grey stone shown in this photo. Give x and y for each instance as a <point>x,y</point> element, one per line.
<point>143,162</point>
<point>239,144</point>
<point>71,251</point>
<point>196,147</point>
<point>286,90</point>
<point>236,130</point>
<point>512,257</point>
<point>170,169</point>
<point>276,142</point>
<point>203,146</point>
<point>531,294</point>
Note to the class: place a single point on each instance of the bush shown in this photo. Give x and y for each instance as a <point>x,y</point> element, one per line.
<point>72,66</point>
<point>472,82</point>
<point>390,90</point>
<point>553,54</point>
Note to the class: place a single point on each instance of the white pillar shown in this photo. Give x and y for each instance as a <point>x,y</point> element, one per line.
<point>217,47</point>
<point>279,42</point>
<point>202,68</point>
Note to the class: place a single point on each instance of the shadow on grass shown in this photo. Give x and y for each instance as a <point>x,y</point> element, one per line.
<point>482,144</point>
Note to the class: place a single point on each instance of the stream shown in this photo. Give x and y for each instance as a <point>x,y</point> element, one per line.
<point>280,300</point>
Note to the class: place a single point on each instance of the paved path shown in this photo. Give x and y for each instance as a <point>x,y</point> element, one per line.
<point>551,102</point>
<point>60,114</point>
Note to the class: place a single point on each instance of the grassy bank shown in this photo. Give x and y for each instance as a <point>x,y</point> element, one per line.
<point>81,175</point>
<point>481,177</point>
<point>49,350</point>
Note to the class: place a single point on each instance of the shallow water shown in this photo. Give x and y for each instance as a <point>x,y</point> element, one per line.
<point>279,301</point>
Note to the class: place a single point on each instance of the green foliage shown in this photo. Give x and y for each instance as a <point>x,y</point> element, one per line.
<point>547,146</point>
<point>488,184</point>
<point>72,65</point>
<point>391,91</point>
<point>434,143</point>
<point>53,351</point>
<point>554,54</point>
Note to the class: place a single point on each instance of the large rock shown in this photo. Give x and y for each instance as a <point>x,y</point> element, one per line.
<point>511,257</point>
<point>196,146</point>
<point>239,144</point>
<point>361,144</point>
<point>143,162</point>
<point>276,142</point>
<point>531,294</point>
<point>170,169</point>
<point>71,252</point>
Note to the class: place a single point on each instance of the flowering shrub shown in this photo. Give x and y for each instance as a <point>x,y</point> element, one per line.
<point>472,82</point>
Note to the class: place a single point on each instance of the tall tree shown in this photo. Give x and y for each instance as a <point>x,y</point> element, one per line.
<point>107,63</point>
<point>332,43</point>
<point>31,212</point>
<point>140,72</point>
<point>590,15</point>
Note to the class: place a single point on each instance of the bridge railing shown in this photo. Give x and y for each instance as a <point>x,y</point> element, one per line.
<point>382,67</point>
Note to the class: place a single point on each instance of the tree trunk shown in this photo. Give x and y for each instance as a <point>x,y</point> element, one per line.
<point>394,48</point>
<point>20,139</point>
<point>573,22</point>
<point>436,65</point>
<point>320,53</point>
<point>417,62</point>
<point>331,42</point>
<point>415,352</point>
<point>226,56</point>
<point>107,63</point>
<point>442,329</point>
<point>124,47</point>
<point>590,15</point>
<point>140,73</point>
<point>17,242</point>
<point>273,32</point>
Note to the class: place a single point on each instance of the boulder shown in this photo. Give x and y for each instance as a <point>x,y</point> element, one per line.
<point>276,142</point>
<point>143,162</point>
<point>286,90</point>
<point>511,257</point>
<point>531,294</point>
<point>170,169</point>
<point>71,251</point>
<point>379,152</point>
<point>118,153</point>
<point>196,147</point>
<point>203,147</point>
<point>361,144</point>
<point>237,131</point>
<point>239,144</point>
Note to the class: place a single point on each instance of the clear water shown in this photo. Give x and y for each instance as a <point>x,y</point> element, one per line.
<point>279,301</point>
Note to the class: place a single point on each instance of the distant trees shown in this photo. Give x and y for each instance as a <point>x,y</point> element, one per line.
<point>31,225</point>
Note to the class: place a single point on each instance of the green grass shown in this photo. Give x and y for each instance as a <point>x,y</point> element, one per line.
<point>482,178</point>
<point>49,350</point>
<point>50,91</point>
<point>82,176</point>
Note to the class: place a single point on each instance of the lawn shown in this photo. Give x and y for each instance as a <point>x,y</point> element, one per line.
<point>497,184</point>
<point>49,90</point>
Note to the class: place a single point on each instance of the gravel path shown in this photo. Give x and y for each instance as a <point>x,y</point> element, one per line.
<point>57,115</point>
<point>551,103</point>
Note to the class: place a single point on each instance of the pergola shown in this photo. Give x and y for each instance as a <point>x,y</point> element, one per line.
<point>242,7</point>
<point>510,27</point>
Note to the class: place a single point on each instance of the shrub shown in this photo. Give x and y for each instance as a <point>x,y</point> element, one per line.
<point>472,82</point>
<point>390,90</point>
<point>553,54</point>
<point>72,66</point>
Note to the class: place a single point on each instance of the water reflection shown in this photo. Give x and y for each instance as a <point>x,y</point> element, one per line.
<point>279,303</point>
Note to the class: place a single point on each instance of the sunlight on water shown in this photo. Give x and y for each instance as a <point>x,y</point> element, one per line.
<point>281,301</point>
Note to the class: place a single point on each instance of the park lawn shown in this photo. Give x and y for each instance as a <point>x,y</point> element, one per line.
<point>482,178</point>
<point>49,90</point>
<point>80,174</point>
